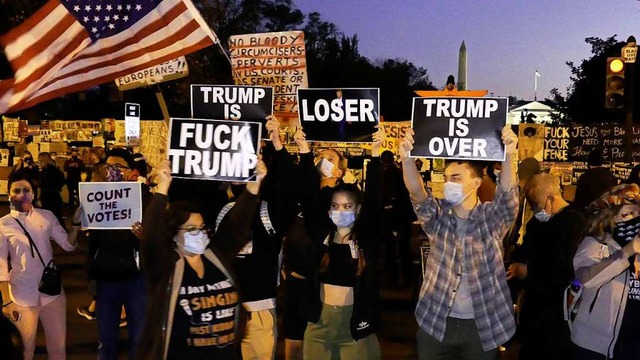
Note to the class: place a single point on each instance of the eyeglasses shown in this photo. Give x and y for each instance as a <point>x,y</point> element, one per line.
<point>116,166</point>
<point>195,230</point>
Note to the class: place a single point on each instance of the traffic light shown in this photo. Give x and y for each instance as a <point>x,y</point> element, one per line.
<point>614,86</point>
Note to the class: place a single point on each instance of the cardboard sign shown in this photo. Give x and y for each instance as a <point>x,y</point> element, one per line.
<point>459,128</point>
<point>168,70</point>
<point>343,115</point>
<point>214,149</point>
<point>110,205</point>
<point>228,102</point>
<point>132,123</point>
<point>556,143</point>
<point>275,59</point>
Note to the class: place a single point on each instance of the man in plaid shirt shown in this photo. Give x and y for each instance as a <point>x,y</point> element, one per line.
<point>464,310</point>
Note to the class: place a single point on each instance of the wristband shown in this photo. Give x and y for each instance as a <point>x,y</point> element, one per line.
<point>10,302</point>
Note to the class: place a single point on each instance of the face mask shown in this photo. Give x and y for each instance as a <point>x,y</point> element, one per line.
<point>625,231</point>
<point>196,244</point>
<point>114,174</point>
<point>326,168</point>
<point>542,216</point>
<point>343,218</point>
<point>20,204</point>
<point>453,193</point>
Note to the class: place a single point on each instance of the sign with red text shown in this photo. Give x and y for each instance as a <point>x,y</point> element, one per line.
<point>275,59</point>
<point>459,128</point>
<point>110,205</point>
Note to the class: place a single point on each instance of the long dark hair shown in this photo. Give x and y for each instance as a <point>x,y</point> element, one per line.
<point>354,193</point>
<point>179,213</point>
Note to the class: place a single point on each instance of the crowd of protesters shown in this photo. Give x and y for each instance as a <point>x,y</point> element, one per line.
<point>198,277</point>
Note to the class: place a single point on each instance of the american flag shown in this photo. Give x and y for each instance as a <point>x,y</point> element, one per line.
<point>71,45</point>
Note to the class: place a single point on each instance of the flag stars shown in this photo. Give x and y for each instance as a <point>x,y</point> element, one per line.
<point>109,7</point>
<point>107,18</point>
<point>128,6</point>
<point>87,8</point>
<point>119,7</point>
<point>111,26</point>
<point>94,29</point>
<point>116,17</point>
<point>98,7</point>
<point>138,7</point>
<point>125,18</point>
<point>96,18</point>
<point>76,8</point>
<point>85,19</point>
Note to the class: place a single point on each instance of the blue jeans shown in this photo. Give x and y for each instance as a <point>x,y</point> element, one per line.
<point>111,296</point>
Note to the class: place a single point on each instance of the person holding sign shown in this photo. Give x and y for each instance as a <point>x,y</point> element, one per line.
<point>194,304</point>
<point>25,247</point>
<point>464,299</point>
<point>605,313</point>
<point>343,305</point>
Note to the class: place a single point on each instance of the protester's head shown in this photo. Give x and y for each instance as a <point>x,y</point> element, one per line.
<point>20,191</point>
<point>544,195</point>
<point>44,159</point>
<point>387,158</point>
<point>346,203</point>
<point>331,164</point>
<point>619,205</point>
<point>451,83</point>
<point>27,158</point>
<point>463,178</point>
<point>54,155</point>
<point>527,169</point>
<point>119,165</point>
<point>595,158</point>
<point>188,229</point>
<point>74,153</point>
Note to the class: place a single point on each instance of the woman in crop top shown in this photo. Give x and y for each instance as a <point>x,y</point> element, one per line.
<point>342,301</point>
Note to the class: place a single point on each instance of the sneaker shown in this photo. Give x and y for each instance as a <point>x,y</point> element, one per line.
<point>123,322</point>
<point>84,312</point>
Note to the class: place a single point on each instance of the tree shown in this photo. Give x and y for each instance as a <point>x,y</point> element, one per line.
<point>584,99</point>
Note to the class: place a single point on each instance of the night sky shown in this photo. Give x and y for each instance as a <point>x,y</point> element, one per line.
<point>506,40</point>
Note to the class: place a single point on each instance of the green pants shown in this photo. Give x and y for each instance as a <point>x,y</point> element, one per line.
<point>330,338</point>
<point>461,342</point>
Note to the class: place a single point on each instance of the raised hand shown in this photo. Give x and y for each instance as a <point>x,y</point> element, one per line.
<point>301,139</point>
<point>261,172</point>
<point>406,145</point>
<point>509,139</point>
<point>273,127</point>
<point>162,175</point>
<point>378,138</point>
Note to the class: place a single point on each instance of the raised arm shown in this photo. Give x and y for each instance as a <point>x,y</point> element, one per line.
<point>594,268</point>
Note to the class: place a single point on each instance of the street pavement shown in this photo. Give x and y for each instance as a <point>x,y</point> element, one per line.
<point>397,339</point>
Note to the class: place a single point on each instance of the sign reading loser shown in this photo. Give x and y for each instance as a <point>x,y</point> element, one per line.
<point>110,205</point>
<point>459,128</point>
<point>342,115</point>
<point>228,102</point>
<point>214,149</point>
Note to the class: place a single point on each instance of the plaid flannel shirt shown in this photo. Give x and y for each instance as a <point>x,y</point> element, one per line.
<point>482,252</point>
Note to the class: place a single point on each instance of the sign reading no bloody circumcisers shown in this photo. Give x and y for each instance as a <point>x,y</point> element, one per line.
<point>228,102</point>
<point>214,149</point>
<point>110,205</point>
<point>342,115</point>
<point>459,128</point>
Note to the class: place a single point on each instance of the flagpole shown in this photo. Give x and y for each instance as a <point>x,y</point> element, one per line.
<point>535,86</point>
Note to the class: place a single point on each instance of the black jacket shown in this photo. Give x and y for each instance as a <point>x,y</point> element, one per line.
<point>365,319</point>
<point>161,263</point>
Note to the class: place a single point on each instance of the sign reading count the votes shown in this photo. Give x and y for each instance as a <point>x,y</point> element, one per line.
<point>214,149</point>
<point>110,205</point>
<point>340,115</point>
<point>459,128</point>
<point>229,102</point>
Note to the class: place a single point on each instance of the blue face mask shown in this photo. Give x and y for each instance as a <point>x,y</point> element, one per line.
<point>196,244</point>
<point>114,174</point>
<point>343,218</point>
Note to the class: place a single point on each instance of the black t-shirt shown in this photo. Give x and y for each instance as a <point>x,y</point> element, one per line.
<point>342,266</point>
<point>204,318</point>
<point>628,338</point>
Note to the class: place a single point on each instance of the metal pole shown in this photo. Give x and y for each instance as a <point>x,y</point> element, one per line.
<point>629,77</point>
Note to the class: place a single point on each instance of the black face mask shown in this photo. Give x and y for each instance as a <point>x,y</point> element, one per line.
<point>627,230</point>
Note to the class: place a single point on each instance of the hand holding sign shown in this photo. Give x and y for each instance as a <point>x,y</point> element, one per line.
<point>378,138</point>
<point>301,139</point>
<point>510,140</point>
<point>273,127</point>
<point>163,177</point>
<point>260,173</point>
<point>406,145</point>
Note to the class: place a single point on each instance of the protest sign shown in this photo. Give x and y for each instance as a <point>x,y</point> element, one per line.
<point>168,70</point>
<point>110,205</point>
<point>214,149</point>
<point>272,59</point>
<point>530,141</point>
<point>459,128</point>
<point>228,102</point>
<point>343,115</point>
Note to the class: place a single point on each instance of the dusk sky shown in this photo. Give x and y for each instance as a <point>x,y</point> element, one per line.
<point>506,40</point>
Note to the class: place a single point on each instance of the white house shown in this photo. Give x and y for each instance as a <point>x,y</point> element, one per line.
<point>540,112</point>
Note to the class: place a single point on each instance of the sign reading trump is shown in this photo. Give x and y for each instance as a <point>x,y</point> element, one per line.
<point>459,128</point>
<point>214,149</point>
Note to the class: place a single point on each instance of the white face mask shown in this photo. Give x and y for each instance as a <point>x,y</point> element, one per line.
<point>326,168</point>
<point>343,218</point>
<point>195,244</point>
<point>542,216</point>
<point>453,193</point>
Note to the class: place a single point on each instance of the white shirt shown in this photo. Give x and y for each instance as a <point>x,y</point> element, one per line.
<point>26,268</point>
